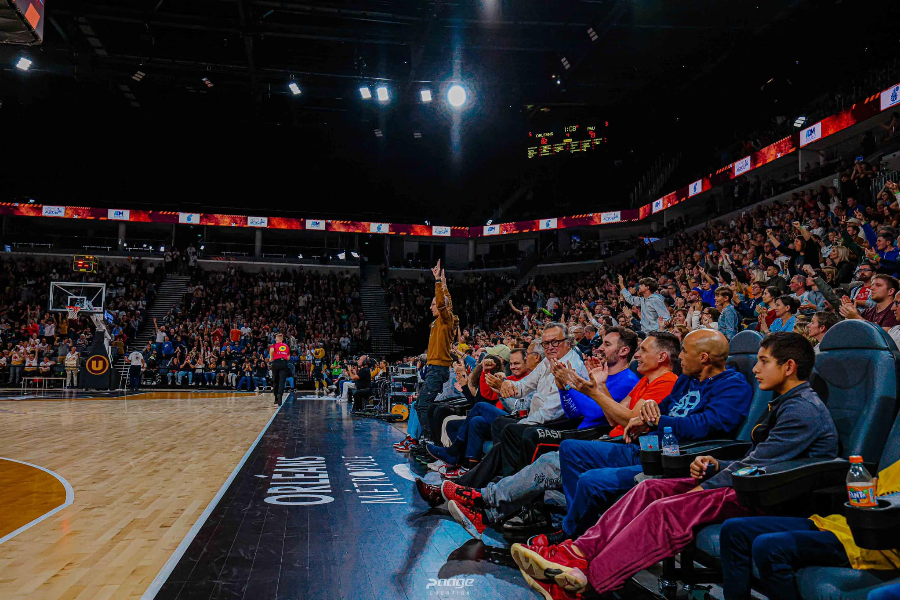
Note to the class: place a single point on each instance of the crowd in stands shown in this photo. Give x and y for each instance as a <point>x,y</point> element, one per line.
<point>639,346</point>
<point>36,342</point>
<point>219,335</point>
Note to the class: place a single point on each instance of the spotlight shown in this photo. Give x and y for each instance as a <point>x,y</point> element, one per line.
<point>593,34</point>
<point>456,95</point>
<point>565,63</point>
<point>426,95</point>
<point>800,122</point>
<point>558,81</point>
<point>203,247</point>
<point>489,221</point>
<point>31,201</point>
<point>24,64</point>
<point>417,135</point>
<point>294,88</point>
<point>208,83</point>
<point>382,94</point>
<point>162,248</point>
<point>354,255</point>
<point>139,75</point>
<point>299,256</point>
<point>342,255</point>
<point>378,133</point>
<point>365,93</point>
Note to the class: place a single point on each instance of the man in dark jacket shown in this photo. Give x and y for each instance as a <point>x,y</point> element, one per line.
<point>657,518</point>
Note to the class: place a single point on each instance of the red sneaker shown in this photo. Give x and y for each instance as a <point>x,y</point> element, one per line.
<point>408,447</point>
<point>429,493</point>
<point>460,494</point>
<point>549,590</point>
<point>404,442</point>
<point>469,517</point>
<point>452,472</point>
<point>548,539</point>
<point>557,563</point>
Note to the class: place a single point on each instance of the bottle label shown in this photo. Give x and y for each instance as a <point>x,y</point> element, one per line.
<point>671,450</point>
<point>862,495</point>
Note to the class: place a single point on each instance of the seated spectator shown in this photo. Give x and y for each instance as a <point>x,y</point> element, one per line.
<point>657,518</point>
<point>785,307</point>
<point>729,320</point>
<point>819,325</point>
<point>780,546</point>
<point>884,288</point>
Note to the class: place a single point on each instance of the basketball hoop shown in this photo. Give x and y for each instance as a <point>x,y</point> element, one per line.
<point>73,312</point>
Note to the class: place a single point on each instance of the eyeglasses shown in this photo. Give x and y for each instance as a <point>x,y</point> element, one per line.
<point>552,344</point>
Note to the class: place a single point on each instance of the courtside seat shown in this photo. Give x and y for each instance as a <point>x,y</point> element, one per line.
<point>876,529</point>
<point>742,357</point>
<point>857,363</point>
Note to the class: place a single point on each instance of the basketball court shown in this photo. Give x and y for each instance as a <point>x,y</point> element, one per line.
<point>183,495</point>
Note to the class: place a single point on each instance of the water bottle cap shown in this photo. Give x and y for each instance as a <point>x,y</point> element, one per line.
<point>667,430</point>
<point>856,459</point>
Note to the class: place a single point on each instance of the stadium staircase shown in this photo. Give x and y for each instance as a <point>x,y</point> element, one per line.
<point>371,295</point>
<point>169,294</point>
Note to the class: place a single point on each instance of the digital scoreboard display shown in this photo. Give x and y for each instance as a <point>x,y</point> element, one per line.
<point>570,140</point>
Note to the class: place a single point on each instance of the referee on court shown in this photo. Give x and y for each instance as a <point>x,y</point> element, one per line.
<point>279,354</point>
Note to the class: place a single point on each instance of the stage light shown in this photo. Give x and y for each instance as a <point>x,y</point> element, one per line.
<point>378,133</point>
<point>382,94</point>
<point>354,255</point>
<point>299,256</point>
<point>139,75</point>
<point>489,221</point>
<point>426,95</point>
<point>800,122</point>
<point>417,135</point>
<point>203,247</point>
<point>565,63</point>
<point>162,248</point>
<point>456,95</point>
<point>294,88</point>
<point>208,83</point>
<point>365,93</point>
<point>24,64</point>
<point>558,82</point>
<point>593,34</point>
<point>342,255</point>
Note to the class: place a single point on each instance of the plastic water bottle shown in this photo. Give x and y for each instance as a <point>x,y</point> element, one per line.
<point>669,443</point>
<point>860,487</point>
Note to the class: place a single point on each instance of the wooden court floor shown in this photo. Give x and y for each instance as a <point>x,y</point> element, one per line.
<point>141,470</point>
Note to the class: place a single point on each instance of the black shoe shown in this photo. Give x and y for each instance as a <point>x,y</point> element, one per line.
<point>528,518</point>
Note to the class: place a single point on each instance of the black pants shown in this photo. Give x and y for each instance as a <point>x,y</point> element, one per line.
<point>438,413</point>
<point>435,377</point>
<point>358,398</point>
<point>511,453</point>
<point>134,377</point>
<point>281,370</point>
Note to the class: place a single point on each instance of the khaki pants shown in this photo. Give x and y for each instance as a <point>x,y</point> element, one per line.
<point>71,377</point>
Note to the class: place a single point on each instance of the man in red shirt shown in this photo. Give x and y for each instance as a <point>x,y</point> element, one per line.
<point>473,509</point>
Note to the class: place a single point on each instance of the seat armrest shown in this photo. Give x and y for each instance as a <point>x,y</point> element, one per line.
<point>651,463</point>
<point>781,483</point>
<point>876,528</point>
<point>680,466</point>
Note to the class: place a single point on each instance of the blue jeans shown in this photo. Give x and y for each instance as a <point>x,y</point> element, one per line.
<point>887,592</point>
<point>435,378</point>
<point>594,475</point>
<point>413,428</point>
<point>190,376</point>
<point>779,546</point>
<point>477,428</point>
<point>243,379</point>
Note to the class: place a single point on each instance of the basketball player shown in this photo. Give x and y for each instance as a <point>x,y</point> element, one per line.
<point>318,371</point>
<point>279,353</point>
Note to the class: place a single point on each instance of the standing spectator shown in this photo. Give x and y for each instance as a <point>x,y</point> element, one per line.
<point>652,305</point>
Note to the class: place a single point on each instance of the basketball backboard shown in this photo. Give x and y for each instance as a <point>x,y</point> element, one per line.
<point>90,298</point>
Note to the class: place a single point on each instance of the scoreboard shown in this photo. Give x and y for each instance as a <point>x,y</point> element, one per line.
<point>85,263</point>
<point>569,140</point>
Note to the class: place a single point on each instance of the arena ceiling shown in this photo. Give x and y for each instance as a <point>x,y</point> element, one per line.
<point>175,103</point>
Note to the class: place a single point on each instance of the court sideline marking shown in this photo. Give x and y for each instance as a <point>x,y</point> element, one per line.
<point>70,498</point>
<point>167,569</point>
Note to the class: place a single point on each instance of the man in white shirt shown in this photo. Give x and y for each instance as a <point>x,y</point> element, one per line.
<point>546,411</point>
<point>72,368</point>
<point>136,365</point>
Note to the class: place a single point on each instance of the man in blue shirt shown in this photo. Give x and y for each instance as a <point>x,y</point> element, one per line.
<point>785,307</point>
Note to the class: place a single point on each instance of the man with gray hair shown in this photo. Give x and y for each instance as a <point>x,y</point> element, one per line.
<point>546,411</point>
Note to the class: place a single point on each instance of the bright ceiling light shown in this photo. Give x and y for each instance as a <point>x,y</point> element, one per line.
<point>294,88</point>
<point>426,95</point>
<point>382,94</point>
<point>456,95</point>
<point>365,93</point>
<point>800,122</point>
<point>24,64</point>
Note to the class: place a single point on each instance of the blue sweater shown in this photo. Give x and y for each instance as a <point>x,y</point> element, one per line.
<point>698,410</point>
<point>575,404</point>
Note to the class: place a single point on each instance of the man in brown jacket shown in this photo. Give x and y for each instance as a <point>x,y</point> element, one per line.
<point>439,343</point>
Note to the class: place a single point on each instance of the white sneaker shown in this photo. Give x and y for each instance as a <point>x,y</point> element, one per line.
<point>436,465</point>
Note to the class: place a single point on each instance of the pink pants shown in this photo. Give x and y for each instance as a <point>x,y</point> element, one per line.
<point>653,521</point>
